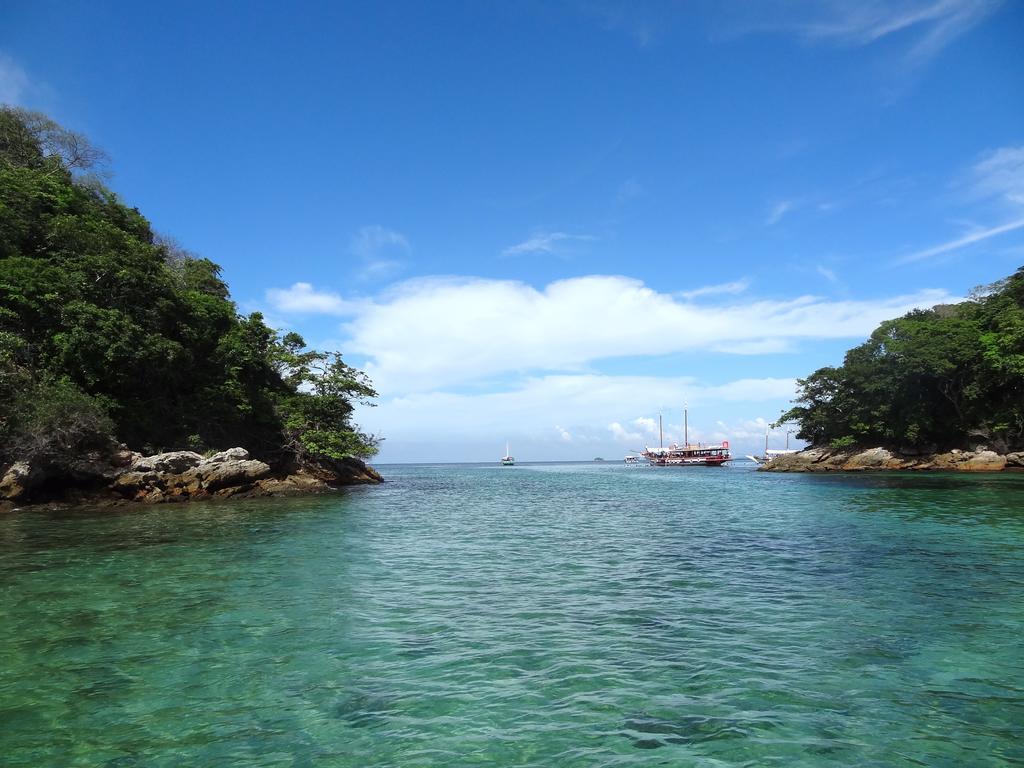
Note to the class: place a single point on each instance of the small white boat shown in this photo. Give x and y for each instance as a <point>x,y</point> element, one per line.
<point>771,453</point>
<point>508,459</point>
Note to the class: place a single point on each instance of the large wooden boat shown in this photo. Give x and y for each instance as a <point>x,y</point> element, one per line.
<point>687,454</point>
<point>698,455</point>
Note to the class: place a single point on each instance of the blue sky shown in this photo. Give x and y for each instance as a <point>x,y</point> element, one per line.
<point>545,222</point>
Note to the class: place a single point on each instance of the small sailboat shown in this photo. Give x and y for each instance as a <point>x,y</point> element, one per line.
<point>508,459</point>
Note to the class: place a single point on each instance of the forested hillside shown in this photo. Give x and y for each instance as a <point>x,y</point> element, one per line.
<point>942,378</point>
<point>108,332</point>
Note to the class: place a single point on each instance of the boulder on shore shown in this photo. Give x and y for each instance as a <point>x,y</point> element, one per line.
<point>822,459</point>
<point>174,462</point>
<point>18,480</point>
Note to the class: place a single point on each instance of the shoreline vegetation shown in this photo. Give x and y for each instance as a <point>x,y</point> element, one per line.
<point>119,347</point>
<point>937,389</point>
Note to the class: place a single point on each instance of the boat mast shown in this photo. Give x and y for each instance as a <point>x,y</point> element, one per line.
<point>686,427</point>
<point>661,435</point>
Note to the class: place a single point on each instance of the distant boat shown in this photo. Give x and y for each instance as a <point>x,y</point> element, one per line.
<point>598,458</point>
<point>508,459</point>
<point>771,454</point>
<point>632,459</point>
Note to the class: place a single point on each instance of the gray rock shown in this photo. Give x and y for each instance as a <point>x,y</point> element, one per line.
<point>130,483</point>
<point>229,473</point>
<point>173,462</point>
<point>1015,459</point>
<point>983,461</point>
<point>872,458</point>
<point>231,454</point>
<point>18,480</point>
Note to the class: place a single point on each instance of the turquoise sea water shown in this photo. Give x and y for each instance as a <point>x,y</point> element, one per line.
<point>547,615</point>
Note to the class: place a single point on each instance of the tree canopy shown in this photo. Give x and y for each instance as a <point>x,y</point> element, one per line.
<point>108,331</point>
<point>943,377</point>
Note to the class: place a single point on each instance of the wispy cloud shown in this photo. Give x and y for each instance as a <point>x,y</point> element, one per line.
<point>544,243</point>
<point>933,24</point>
<point>737,286</point>
<point>643,22</point>
<point>999,174</point>
<point>628,190</point>
<point>381,250</point>
<point>778,210</point>
<point>303,298</point>
<point>14,81</point>
<point>828,274</point>
<point>997,181</point>
<point>961,242</point>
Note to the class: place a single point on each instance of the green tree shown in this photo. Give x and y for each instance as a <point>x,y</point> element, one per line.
<point>102,318</point>
<point>938,377</point>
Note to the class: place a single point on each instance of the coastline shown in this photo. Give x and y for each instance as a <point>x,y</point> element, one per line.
<point>825,459</point>
<point>125,477</point>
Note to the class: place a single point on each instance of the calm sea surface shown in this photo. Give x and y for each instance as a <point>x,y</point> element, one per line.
<point>546,615</point>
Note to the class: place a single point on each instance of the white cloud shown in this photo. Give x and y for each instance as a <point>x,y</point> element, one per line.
<point>777,211</point>
<point>303,298</point>
<point>14,81</point>
<point>737,286</point>
<point>755,347</point>
<point>432,333</point>
<point>544,242</point>
<point>646,425</point>
<point>578,401</point>
<point>623,435</point>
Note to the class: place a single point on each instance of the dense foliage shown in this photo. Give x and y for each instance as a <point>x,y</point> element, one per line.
<point>945,377</point>
<point>109,332</point>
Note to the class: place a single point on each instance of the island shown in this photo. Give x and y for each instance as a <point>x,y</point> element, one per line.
<point>937,389</point>
<point>126,370</point>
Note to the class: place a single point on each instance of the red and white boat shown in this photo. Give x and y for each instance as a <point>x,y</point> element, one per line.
<point>687,454</point>
<point>698,455</point>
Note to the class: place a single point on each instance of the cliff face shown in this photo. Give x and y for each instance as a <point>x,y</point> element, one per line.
<point>822,459</point>
<point>123,476</point>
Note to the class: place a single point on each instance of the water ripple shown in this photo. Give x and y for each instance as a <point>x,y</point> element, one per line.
<point>558,615</point>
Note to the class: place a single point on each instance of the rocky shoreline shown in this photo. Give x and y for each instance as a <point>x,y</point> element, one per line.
<point>125,476</point>
<point>824,459</point>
